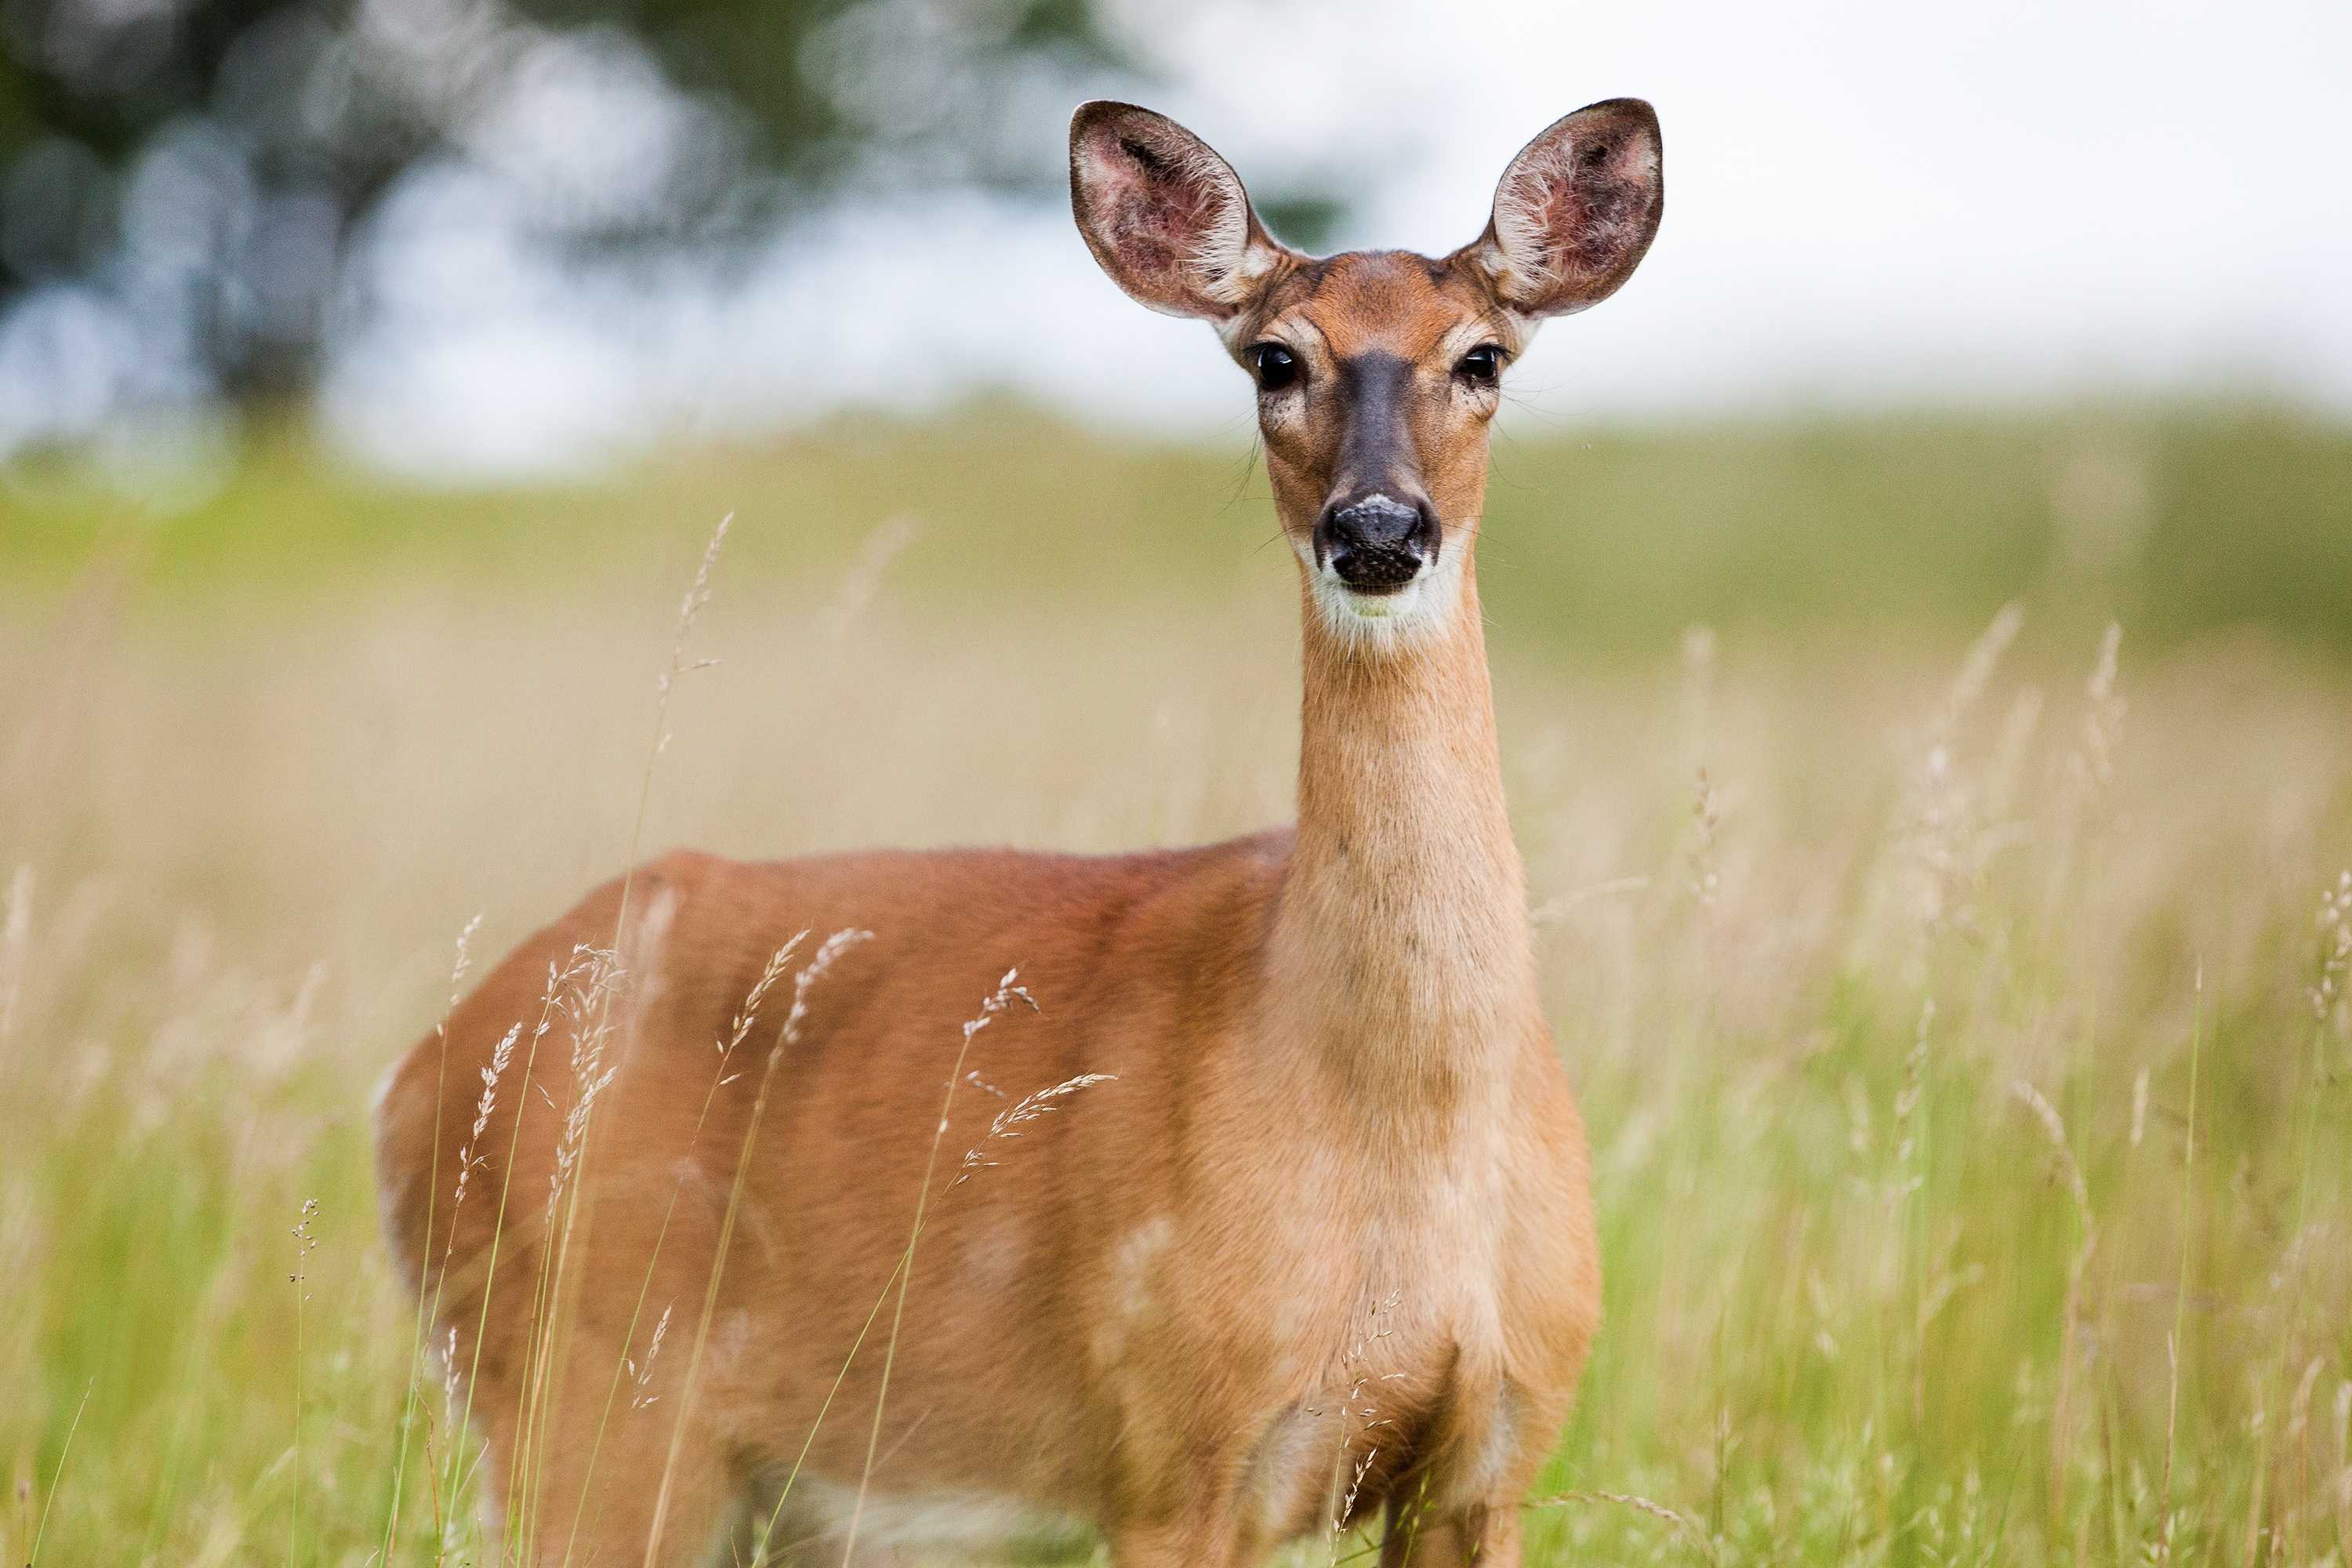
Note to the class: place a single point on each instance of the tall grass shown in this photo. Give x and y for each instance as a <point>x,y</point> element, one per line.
<point>1959,1017</point>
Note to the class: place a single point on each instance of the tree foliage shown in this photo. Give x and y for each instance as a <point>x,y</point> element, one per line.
<point>207,171</point>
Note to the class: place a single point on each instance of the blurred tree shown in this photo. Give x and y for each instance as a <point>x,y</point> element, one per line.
<point>199,175</point>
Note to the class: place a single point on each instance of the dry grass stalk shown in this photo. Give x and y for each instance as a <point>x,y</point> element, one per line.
<point>2165,1516</point>
<point>57,1477</point>
<point>1356,1405</point>
<point>2071,1314</point>
<point>1690,1528</point>
<point>2335,947</point>
<point>2341,1493</point>
<point>15,946</point>
<point>306,1241</point>
<point>740,1029</point>
<point>689,609</point>
<point>1009,1121</point>
<point>558,978</point>
<point>642,1376</point>
<point>1944,847</point>
<point>863,579</point>
<point>2095,762</point>
<point>1706,815</point>
<point>997,1001</point>
<point>827,953</point>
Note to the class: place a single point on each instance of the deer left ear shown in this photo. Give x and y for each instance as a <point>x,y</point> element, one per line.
<point>1576,210</point>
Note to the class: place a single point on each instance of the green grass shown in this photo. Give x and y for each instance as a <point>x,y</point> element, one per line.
<point>2181,522</point>
<point>261,761</point>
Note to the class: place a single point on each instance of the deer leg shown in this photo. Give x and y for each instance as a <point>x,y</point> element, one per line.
<point>632,1499</point>
<point>1199,1538</point>
<point>597,1455</point>
<point>1486,1534</point>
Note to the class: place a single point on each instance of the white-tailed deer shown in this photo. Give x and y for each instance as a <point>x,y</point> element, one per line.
<point>1320,1247</point>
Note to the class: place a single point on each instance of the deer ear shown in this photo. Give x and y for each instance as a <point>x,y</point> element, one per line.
<point>1576,210</point>
<point>1166,218</point>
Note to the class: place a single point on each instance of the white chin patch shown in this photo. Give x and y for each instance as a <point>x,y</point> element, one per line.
<point>1400,604</point>
<point>1383,620</point>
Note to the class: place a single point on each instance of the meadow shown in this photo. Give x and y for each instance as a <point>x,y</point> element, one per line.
<point>1940,833</point>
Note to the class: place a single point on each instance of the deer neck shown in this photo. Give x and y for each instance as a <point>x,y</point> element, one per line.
<point>1400,943</point>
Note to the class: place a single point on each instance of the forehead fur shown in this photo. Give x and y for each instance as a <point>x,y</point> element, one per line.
<point>1392,301</point>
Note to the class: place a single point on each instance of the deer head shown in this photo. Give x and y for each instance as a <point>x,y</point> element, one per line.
<point>1377,371</point>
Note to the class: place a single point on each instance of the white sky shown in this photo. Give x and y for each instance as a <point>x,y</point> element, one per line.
<point>1867,203</point>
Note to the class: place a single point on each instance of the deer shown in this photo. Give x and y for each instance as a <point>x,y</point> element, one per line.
<point>1314,1248</point>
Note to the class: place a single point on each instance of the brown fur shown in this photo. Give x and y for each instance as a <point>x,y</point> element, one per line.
<point>1321,1246</point>
<point>1393,302</point>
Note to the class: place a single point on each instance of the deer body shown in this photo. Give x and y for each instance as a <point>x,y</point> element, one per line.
<point>1315,1240</point>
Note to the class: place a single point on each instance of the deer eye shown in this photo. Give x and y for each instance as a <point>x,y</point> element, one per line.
<point>1483,365</point>
<point>1275,366</point>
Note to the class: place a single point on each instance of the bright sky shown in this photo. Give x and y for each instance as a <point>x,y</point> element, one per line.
<point>1868,204</point>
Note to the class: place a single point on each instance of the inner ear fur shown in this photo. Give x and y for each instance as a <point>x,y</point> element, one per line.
<point>1576,210</point>
<point>1166,218</point>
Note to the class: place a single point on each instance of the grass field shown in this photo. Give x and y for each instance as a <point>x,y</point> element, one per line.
<point>1957,996</point>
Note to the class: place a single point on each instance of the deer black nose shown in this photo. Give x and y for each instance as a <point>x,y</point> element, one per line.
<point>1376,545</point>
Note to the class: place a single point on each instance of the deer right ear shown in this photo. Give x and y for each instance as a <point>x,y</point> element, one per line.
<point>1166,218</point>
<point>1576,211</point>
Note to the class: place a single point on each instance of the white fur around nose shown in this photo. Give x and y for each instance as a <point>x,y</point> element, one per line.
<point>1382,622</point>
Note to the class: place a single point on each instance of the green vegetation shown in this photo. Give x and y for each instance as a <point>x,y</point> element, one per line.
<point>1961,1035</point>
<point>2178,523</point>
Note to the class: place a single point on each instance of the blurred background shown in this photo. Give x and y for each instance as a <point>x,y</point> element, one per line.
<point>521,236</point>
<point>1920,602</point>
